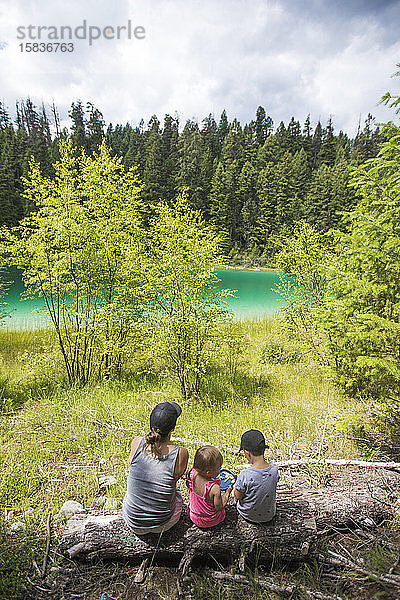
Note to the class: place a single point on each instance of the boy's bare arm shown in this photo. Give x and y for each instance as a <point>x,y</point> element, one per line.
<point>238,495</point>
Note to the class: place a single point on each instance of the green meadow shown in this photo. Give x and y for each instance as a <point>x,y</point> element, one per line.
<point>56,440</point>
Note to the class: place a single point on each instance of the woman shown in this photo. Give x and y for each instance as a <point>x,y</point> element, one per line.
<point>152,503</point>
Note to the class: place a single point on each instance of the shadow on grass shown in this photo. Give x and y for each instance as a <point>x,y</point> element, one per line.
<point>14,394</point>
<point>17,553</point>
<point>134,379</point>
<point>220,385</point>
<point>380,435</point>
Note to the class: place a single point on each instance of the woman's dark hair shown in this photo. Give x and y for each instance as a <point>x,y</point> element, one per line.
<point>153,441</point>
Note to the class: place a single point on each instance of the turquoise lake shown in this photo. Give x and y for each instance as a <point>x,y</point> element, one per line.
<point>254,291</point>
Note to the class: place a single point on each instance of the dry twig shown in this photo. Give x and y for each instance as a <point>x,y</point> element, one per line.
<point>337,560</point>
<point>48,542</point>
<point>271,585</point>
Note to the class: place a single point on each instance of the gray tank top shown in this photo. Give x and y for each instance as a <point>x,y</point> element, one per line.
<point>151,492</point>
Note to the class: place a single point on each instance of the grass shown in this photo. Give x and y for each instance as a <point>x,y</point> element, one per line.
<point>59,441</point>
<point>55,441</point>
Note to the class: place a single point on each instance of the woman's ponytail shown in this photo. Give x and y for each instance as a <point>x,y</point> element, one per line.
<point>153,440</point>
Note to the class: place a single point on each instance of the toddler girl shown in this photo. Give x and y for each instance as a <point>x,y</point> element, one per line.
<point>206,503</point>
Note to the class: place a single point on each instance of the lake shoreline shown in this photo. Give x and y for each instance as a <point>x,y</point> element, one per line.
<point>243,268</point>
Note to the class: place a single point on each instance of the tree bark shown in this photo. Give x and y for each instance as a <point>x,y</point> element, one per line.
<point>304,514</point>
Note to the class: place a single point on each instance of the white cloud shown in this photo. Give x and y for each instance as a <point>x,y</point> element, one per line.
<point>293,58</point>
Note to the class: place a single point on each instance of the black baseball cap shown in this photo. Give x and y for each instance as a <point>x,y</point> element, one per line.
<point>253,441</point>
<point>164,416</point>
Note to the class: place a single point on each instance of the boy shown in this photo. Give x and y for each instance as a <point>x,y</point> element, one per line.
<point>255,487</point>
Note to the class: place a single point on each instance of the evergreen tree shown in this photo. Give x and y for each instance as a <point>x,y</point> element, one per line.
<point>249,202</point>
<point>367,141</point>
<point>225,202</point>
<point>250,147</point>
<point>316,145</point>
<point>267,192</point>
<point>78,129</point>
<point>282,138</point>
<point>286,210</point>
<point>170,138</point>
<point>233,144</point>
<point>4,117</point>
<point>250,181</point>
<point>300,181</point>
<point>329,195</point>
<point>327,153</point>
<point>211,136</point>
<point>269,152</point>
<point>153,173</point>
<point>364,318</point>
<point>294,136</point>
<point>263,126</point>
<point>307,142</point>
<point>223,128</point>
<point>11,209</point>
<point>94,129</point>
<point>190,160</point>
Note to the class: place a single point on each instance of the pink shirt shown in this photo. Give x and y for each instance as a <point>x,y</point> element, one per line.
<point>200,510</point>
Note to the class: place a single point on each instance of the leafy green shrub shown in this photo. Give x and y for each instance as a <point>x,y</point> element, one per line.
<point>276,353</point>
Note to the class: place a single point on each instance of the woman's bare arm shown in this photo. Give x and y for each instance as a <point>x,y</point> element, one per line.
<point>181,462</point>
<point>134,447</point>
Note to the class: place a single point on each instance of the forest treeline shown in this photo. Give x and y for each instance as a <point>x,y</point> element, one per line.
<point>254,181</point>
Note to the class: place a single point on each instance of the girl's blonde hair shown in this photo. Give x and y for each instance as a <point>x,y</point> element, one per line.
<point>206,459</point>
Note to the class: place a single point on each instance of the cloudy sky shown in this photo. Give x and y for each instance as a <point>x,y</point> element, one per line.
<point>294,57</point>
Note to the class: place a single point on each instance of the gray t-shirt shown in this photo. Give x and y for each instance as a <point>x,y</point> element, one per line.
<point>259,493</point>
<point>151,491</point>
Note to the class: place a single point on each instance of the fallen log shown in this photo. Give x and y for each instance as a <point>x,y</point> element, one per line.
<point>349,499</point>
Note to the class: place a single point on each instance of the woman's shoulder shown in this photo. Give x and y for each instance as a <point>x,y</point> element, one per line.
<point>134,446</point>
<point>136,443</point>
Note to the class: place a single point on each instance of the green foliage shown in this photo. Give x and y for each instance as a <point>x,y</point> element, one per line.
<point>250,181</point>
<point>188,304</point>
<point>304,257</point>
<point>277,353</point>
<point>55,445</point>
<point>104,267</point>
<point>350,297</point>
<point>328,195</point>
<point>364,320</point>
<point>79,252</point>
